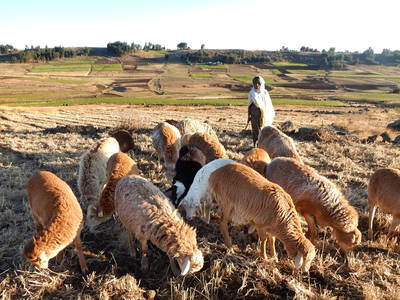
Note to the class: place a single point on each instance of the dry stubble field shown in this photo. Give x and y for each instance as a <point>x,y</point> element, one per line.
<point>53,139</point>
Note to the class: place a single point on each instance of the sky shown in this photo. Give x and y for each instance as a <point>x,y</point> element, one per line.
<point>351,25</point>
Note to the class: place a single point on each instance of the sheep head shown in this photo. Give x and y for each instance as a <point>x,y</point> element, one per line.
<point>347,240</point>
<point>34,256</point>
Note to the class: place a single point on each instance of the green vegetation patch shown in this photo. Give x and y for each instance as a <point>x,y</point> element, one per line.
<point>351,75</point>
<point>51,68</point>
<point>375,97</point>
<point>162,101</point>
<point>247,78</point>
<point>106,67</point>
<point>288,64</point>
<point>158,53</point>
<point>211,67</point>
<point>201,75</point>
<point>276,71</point>
<point>306,72</point>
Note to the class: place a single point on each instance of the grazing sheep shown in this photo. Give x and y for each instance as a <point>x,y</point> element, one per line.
<point>191,159</point>
<point>192,126</point>
<point>118,166</point>
<point>185,139</point>
<point>257,159</point>
<point>58,219</point>
<point>92,169</point>
<point>246,197</point>
<point>166,141</point>
<point>317,199</point>
<point>146,212</point>
<point>124,139</point>
<point>276,143</point>
<point>384,191</point>
<point>209,145</point>
<point>198,191</point>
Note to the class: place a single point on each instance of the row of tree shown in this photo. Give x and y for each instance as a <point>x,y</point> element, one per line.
<point>120,48</point>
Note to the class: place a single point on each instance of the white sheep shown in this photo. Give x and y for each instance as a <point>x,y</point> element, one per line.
<point>317,199</point>
<point>277,144</point>
<point>166,141</point>
<point>92,169</point>
<point>384,191</point>
<point>198,191</point>
<point>246,197</point>
<point>145,211</point>
<point>190,126</point>
<point>118,166</point>
<point>58,218</point>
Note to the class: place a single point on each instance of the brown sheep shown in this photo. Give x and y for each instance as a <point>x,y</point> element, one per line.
<point>384,191</point>
<point>246,197</point>
<point>166,141</point>
<point>118,166</point>
<point>257,159</point>
<point>317,199</point>
<point>58,218</point>
<point>277,144</point>
<point>209,145</point>
<point>145,211</point>
<point>124,139</point>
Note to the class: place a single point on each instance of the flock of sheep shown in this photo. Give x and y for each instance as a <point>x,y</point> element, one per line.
<point>267,190</point>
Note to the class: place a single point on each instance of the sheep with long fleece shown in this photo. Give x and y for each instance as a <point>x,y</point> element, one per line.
<point>58,218</point>
<point>209,145</point>
<point>125,140</point>
<point>190,126</point>
<point>257,159</point>
<point>190,161</point>
<point>118,166</point>
<point>317,199</point>
<point>145,211</point>
<point>384,192</point>
<point>92,169</point>
<point>277,144</point>
<point>166,141</point>
<point>246,197</point>
<point>198,191</point>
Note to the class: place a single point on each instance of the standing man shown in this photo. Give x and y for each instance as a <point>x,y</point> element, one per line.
<point>260,110</point>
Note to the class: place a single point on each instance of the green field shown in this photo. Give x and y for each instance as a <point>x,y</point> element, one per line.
<point>106,67</point>
<point>211,67</point>
<point>373,97</point>
<point>288,64</point>
<point>307,72</point>
<point>350,75</point>
<point>247,78</point>
<point>76,65</point>
<point>201,75</point>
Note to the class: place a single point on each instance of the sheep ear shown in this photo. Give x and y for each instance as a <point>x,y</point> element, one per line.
<point>185,267</point>
<point>298,262</point>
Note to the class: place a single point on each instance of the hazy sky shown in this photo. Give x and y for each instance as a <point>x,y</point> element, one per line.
<point>220,24</point>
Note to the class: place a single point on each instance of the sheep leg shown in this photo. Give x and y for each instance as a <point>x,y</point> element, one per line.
<point>372,211</point>
<point>78,248</point>
<point>225,233</point>
<point>132,248</point>
<point>263,237</point>
<point>312,228</point>
<point>395,222</point>
<point>145,262</point>
<point>272,252</point>
<point>207,211</point>
<point>174,268</point>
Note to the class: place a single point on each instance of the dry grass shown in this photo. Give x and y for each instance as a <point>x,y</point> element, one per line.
<point>41,139</point>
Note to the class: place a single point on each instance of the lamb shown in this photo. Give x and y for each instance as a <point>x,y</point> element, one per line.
<point>384,191</point>
<point>317,199</point>
<point>257,159</point>
<point>190,161</point>
<point>145,211</point>
<point>118,166</point>
<point>166,141</point>
<point>209,145</point>
<point>58,218</point>
<point>276,143</point>
<point>246,197</point>
<point>92,169</point>
<point>192,126</point>
<point>124,139</point>
<point>198,191</point>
